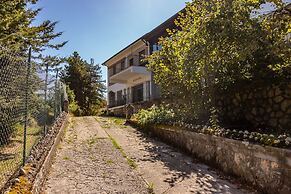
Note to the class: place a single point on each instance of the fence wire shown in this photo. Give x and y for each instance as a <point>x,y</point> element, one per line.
<point>29,104</point>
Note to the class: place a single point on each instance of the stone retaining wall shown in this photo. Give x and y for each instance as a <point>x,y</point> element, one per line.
<point>29,179</point>
<point>37,187</point>
<point>260,106</point>
<point>267,168</point>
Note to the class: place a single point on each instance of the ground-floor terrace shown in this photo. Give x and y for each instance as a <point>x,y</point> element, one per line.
<point>134,86</point>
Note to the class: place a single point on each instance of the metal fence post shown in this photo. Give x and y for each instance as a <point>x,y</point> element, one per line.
<point>45,100</point>
<point>56,93</point>
<point>26,106</point>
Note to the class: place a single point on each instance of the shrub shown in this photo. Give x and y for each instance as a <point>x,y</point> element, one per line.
<point>153,116</point>
<point>74,108</point>
<point>219,45</point>
<point>157,116</point>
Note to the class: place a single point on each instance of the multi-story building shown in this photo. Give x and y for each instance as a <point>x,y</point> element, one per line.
<point>129,81</point>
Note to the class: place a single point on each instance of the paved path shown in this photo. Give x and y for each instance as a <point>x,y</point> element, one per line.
<point>107,157</point>
<point>87,162</point>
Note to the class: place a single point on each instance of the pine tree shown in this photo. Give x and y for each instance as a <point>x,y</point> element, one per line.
<point>85,81</point>
<point>17,31</point>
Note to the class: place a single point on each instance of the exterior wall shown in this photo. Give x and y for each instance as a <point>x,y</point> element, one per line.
<point>261,106</point>
<point>267,168</point>
<point>148,42</point>
<point>131,53</point>
<point>132,81</point>
<point>135,46</point>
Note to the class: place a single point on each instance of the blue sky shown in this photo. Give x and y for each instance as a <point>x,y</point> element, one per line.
<point>100,28</point>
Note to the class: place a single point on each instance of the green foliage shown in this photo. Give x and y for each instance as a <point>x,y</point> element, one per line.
<point>17,31</point>
<point>161,117</point>
<point>219,45</point>
<point>84,80</point>
<point>154,116</point>
<point>73,105</point>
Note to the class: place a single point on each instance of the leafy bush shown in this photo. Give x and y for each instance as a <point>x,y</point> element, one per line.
<point>74,108</point>
<point>220,45</point>
<point>157,116</point>
<point>153,116</point>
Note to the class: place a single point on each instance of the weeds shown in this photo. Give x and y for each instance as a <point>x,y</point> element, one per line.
<point>130,162</point>
<point>66,158</point>
<point>109,162</point>
<point>150,188</point>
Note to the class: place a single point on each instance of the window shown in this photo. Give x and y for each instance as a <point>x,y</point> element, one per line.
<point>119,98</point>
<point>122,65</point>
<point>157,47</point>
<point>137,93</point>
<point>114,70</point>
<point>110,71</point>
<point>112,101</point>
<point>148,90</point>
<point>131,62</point>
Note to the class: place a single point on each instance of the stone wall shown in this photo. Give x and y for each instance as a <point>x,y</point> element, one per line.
<point>267,168</point>
<point>29,178</point>
<point>266,107</point>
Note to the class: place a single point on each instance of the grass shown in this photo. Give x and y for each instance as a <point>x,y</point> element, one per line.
<point>71,137</point>
<point>150,188</point>
<point>130,162</point>
<point>66,158</point>
<point>12,153</point>
<point>103,123</point>
<point>92,141</point>
<point>117,121</point>
<point>106,122</point>
<point>109,162</point>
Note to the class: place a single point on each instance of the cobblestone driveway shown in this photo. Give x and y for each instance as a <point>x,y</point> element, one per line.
<point>100,155</point>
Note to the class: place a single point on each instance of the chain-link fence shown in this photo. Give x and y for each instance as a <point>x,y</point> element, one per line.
<point>30,100</point>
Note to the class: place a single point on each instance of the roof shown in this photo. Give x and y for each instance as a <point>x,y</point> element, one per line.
<point>152,35</point>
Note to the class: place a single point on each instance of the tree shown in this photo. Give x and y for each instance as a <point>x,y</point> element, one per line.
<point>17,31</point>
<point>84,80</point>
<point>17,34</point>
<point>219,44</point>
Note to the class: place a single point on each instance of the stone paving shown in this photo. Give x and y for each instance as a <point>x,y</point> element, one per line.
<point>100,155</point>
<point>87,162</point>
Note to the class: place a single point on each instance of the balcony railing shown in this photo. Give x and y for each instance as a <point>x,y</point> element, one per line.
<point>115,70</point>
<point>117,103</point>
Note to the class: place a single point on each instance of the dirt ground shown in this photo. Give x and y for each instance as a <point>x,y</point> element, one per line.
<point>100,155</point>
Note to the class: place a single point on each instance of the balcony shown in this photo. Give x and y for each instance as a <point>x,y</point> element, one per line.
<point>128,73</point>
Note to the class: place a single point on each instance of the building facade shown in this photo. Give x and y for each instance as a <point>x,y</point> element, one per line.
<point>129,81</point>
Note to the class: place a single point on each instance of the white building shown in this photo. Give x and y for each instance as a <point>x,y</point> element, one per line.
<point>129,81</point>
